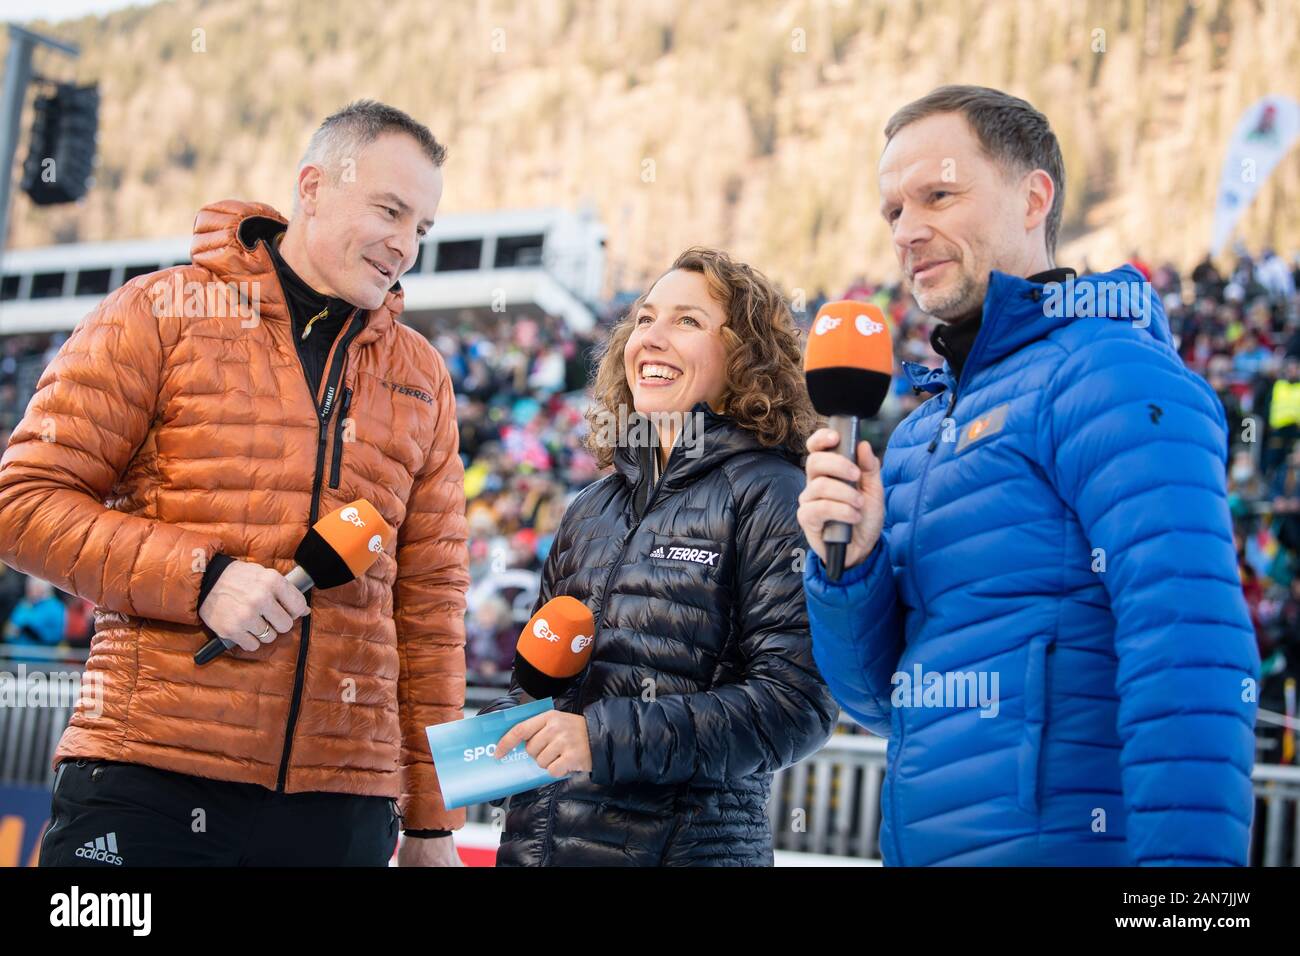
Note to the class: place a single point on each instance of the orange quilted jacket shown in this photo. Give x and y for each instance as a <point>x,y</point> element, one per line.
<point>176,422</point>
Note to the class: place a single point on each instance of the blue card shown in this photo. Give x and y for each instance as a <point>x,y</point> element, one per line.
<point>464,753</point>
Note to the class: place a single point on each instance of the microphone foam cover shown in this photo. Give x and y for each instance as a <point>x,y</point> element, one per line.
<point>849,360</point>
<point>342,546</point>
<point>554,647</point>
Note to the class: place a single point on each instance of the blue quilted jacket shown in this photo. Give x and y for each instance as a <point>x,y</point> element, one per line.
<point>1052,631</point>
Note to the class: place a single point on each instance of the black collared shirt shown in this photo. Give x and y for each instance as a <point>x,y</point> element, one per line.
<point>304,303</point>
<point>954,340</point>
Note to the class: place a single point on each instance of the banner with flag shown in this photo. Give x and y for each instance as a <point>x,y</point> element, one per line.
<point>1263,135</point>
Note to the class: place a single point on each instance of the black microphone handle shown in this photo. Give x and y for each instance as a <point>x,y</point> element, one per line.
<point>218,646</point>
<point>837,534</point>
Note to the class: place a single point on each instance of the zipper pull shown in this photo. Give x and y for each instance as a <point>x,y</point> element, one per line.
<point>319,315</point>
<point>934,443</point>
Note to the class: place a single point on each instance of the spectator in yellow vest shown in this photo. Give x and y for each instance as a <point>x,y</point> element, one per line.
<point>1284,413</point>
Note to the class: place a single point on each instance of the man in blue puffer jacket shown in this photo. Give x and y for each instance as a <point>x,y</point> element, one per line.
<point>1041,607</point>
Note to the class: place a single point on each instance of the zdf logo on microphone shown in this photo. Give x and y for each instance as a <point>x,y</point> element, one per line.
<point>579,643</point>
<point>376,544</point>
<point>827,323</point>
<point>352,516</point>
<point>866,325</point>
<point>543,630</point>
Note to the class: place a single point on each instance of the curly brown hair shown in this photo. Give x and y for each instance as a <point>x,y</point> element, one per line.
<point>765,391</point>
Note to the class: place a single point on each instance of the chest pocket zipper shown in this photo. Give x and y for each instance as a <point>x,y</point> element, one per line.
<point>336,466</point>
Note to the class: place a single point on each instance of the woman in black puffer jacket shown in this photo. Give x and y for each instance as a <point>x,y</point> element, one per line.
<point>701,682</point>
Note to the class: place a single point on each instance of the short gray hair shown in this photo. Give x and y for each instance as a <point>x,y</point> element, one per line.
<point>1009,130</point>
<point>348,131</point>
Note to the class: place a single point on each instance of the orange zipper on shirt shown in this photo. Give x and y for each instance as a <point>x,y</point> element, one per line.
<point>319,315</point>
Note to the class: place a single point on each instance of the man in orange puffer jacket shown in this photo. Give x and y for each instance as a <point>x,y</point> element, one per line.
<point>177,449</point>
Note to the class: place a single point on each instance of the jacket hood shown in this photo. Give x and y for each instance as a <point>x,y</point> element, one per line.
<point>231,240</point>
<point>1018,312</point>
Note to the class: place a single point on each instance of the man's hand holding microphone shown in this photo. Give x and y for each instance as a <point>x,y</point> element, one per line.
<point>251,605</point>
<point>840,490</point>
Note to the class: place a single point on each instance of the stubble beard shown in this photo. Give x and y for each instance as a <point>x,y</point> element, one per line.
<point>955,303</point>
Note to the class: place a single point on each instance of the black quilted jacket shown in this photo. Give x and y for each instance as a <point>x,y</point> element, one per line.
<point>701,681</point>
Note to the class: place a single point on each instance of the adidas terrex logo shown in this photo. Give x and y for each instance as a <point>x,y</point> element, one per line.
<point>693,555</point>
<point>101,850</point>
<point>411,390</point>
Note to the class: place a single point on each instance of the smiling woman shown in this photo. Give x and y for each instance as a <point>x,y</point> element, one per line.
<point>710,330</point>
<point>701,682</point>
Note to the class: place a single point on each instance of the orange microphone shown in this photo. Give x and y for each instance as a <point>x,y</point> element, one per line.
<point>848,366</point>
<point>337,549</point>
<point>554,647</point>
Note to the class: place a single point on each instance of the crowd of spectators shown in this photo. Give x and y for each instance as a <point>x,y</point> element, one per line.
<point>520,382</point>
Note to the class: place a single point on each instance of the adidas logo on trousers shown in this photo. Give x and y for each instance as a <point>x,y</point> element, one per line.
<point>102,850</point>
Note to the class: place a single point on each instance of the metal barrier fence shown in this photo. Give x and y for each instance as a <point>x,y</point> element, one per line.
<point>34,709</point>
<point>828,803</point>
